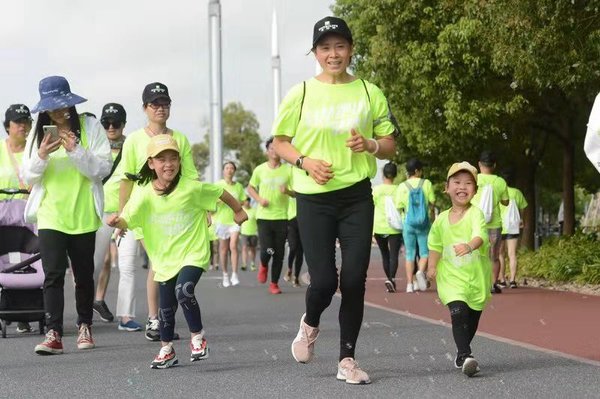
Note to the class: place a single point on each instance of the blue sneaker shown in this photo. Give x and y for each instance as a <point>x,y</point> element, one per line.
<point>131,325</point>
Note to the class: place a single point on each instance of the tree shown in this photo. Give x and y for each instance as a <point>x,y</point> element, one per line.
<point>462,78</point>
<point>241,143</point>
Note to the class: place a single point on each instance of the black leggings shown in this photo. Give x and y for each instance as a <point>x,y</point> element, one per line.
<point>464,326</point>
<point>272,235</point>
<point>347,215</point>
<point>389,245</point>
<point>179,290</point>
<point>55,247</point>
<point>296,255</point>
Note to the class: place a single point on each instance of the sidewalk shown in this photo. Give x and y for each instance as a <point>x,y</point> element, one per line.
<point>537,318</point>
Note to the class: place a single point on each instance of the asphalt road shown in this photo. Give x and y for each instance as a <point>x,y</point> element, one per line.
<point>249,333</point>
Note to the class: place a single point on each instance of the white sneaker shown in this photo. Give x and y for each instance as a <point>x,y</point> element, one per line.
<point>470,367</point>
<point>234,279</point>
<point>421,281</point>
<point>226,282</point>
<point>409,288</point>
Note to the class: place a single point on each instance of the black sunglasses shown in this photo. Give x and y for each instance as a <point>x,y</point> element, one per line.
<point>115,124</point>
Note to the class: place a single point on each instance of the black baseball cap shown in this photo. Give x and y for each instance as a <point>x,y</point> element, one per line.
<point>331,25</point>
<point>113,112</point>
<point>155,91</point>
<point>17,112</point>
<point>413,164</point>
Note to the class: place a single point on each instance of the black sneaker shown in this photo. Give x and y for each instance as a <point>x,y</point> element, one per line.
<point>513,284</point>
<point>390,286</point>
<point>153,331</point>
<point>496,289</point>
<point>502,284</point>
<point>458,361</point>
<point>102,310</point>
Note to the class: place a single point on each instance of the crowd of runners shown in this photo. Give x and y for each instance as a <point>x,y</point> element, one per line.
<point>100,198</point>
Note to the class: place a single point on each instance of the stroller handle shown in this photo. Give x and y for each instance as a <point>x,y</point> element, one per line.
<point>13,191</point>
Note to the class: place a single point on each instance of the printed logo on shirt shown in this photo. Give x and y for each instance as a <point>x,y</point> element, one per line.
<point>338,119</point>
<point>458,261</point>
<point>173,223</point>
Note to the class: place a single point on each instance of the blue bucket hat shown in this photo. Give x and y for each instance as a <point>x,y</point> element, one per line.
<point>55,93</point>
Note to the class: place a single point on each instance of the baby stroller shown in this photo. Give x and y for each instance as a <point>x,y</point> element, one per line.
<point>21,273</point>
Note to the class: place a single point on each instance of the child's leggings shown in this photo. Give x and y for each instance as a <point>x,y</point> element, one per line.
<point>179,290</point>
<point>464,326</point>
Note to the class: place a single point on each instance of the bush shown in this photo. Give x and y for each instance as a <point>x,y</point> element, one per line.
<point>564,259</point>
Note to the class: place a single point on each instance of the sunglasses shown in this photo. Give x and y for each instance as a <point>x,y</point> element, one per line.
<point>156,106</point>
<point>107,124</point>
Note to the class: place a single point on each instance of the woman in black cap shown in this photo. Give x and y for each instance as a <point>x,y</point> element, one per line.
<point>65,163</point>
<point>339,125</point>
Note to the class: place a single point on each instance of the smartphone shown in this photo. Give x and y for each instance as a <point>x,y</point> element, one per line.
<point>52,130</point>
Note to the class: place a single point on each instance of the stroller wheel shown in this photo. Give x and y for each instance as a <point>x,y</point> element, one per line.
<point>3,328</point>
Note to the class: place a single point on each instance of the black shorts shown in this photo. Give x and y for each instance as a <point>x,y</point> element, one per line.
<point>509,236</point>
<point>251,241</point>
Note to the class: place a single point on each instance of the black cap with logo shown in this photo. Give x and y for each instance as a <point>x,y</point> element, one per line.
<point>331,25</point>
<point>155,91</point>
<point>17,112</point>
<point>113,112</point>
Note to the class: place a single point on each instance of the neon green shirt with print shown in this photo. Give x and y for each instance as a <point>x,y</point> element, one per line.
<point>135,156</point>
<point>68,204</point>
<point>8,174</point>
<point>380,223</point>
<point>514,194</point>
<point>174,226</point>
<point>249,227</point>
<point>466,278</point>
<point>224,214</point>
<point>402,192</point>
<point>500,193</point>
<point>320,124</point>
<point>111,188</point>
<point>268,181</point>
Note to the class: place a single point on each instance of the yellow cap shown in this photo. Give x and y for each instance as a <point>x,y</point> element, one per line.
<point>160,143</point>
<point>460,166</point>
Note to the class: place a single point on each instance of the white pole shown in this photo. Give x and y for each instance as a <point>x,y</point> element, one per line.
<point>216,89</point>
<point>275,64</point>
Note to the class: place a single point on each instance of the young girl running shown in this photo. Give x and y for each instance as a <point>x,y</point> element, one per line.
<point>458,259</point>
<point>171,213</point>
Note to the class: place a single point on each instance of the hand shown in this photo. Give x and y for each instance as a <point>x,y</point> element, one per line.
<point>48,146</point>
<point>357,143</point>
<point>113,220</point>
<point>263,202</point>
<point>283,189</point>
<point>431,273</point>
<point>319,170</point>
<point>240,216</point>
<point>462,249</point>
<point>68,140</point>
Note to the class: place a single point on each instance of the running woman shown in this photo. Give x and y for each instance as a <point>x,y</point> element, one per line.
<point>339,125</point>
<point>171,213</point>
<point>458,260</point>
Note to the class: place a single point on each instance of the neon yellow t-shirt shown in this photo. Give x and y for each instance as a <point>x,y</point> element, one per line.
<point>268,182</point>
<point>249,227</point>
<point>111,188</point>
<point>174,226</point>
<point>292,208</point>
<point>466,278</point>
<point>8,175</point>
<point>500,193</point>
<point>224,214</point>
<point>514,194</point>
<point>380,223</point>
<point>135,156</point>
<point>401,197</point>
<point>68,203</point>
<point>329,111</point>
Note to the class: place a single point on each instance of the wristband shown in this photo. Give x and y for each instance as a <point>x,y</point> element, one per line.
<point>470,249</point>
<point>376,147</point>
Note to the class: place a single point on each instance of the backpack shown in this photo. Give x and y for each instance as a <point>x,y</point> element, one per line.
<point>416,214</point>
<point>486,202</point>
<point>391,213</point>
<point>512,219</point>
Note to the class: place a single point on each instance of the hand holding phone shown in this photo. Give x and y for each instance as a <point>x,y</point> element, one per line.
<point>52,130</point>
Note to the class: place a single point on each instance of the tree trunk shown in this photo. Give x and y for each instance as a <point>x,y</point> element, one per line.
<point>568,187</point>
<point>529,214</point>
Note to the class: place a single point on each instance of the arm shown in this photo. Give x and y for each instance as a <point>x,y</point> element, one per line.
<point>125,188</point>
<point>33,166</point>
<point>115,220</point>
<point>94,162</point>
<point>254,194</point>
<point>239,215</point>
<point>466,248</point>
<point>383,147</point>
<point>319,170</point>
<point>432,262</point>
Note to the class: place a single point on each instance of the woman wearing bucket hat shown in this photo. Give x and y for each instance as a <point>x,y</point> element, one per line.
<point>156,103</point>
<point>66,200</point>
<point>339,125</point>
